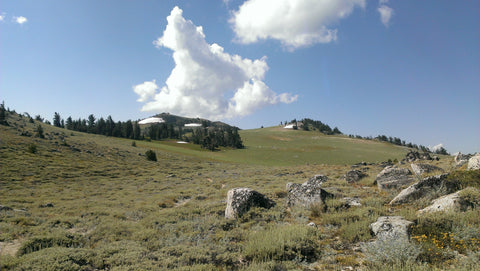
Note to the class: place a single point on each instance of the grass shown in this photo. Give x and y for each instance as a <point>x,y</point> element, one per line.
<point>86,202</point>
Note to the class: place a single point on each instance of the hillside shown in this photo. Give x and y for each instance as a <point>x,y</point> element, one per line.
<point>77,201</point>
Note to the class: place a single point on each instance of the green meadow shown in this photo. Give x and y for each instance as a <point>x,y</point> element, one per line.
<point>75,201</point>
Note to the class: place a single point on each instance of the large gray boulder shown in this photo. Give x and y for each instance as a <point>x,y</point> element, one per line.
<point>461,159</point>
<point>413,156</point>
<point>393,178</point>
<point>354,176</point>
<point>240,200</point>
<point>452,202</point>
<point>420,169</point>
<point>474,162</point>
<point>307,193</point>
<point>391,228</point>
<point>423,188</point>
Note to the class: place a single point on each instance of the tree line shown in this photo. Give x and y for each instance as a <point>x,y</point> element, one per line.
<point>400,142</point>
<point>208,137</point>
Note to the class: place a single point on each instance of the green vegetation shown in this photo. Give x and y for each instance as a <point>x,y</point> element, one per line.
<point>97,203</point>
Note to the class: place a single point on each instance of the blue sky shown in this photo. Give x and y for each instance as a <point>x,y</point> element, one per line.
<point>414,75</point>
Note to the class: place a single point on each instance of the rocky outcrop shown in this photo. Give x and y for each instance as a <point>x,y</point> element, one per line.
<point>423,188</point>
<point>461,159</point>
<point>354,176</point>
<point>413,156</point>
<point>240,200</point>
<point>420,169</point>
<point>307,193</point>
<point>474,162</point>
<point>393,178</point>
<point>452,202</point>
<point>391,228</point>
<point>349,202</point>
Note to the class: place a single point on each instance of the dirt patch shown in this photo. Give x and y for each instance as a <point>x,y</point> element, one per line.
<point>10,248</point>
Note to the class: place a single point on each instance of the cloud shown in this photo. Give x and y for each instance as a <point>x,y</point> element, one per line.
<point>386,12</point>
<point>2,17</point>
<point>295,24</point>
<point>205,76</point>
<point>436,147</point>
<point>20,20</point>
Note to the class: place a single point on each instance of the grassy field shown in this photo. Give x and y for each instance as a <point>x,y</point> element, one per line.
<point>75,201</point>
<point>276,146</point>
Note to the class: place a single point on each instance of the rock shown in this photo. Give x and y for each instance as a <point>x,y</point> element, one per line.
<point>474,162</point>
<point>46,205</point>
<point>423,188</point>
<point>5,208</point>
<point>393,178</point>
<point>354,176</point>
<point>413,156</point>
<point>391,228</point>
<point>419,169</point>
<point>240,200</point>
<point>311,224</point>
<point>349,202</point>
<point>461,159</point>
<point>307,193</point>
<point>452,202</point>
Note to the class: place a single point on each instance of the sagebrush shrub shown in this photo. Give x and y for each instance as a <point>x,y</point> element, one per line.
<point>151,155</point>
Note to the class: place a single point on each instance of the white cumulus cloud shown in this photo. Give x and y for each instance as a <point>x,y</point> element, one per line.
<point>436,147</point>
<point>386,12</point>
<point>2,17</point>
<point>20,20</point>
<point>204,76</point>
<point>296,23</point>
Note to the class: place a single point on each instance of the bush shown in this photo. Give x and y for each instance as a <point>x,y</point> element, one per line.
<point>151,155</point>
<point>134,144</point>
<point>38,243</point>
<point>32,148</point>
<point>283,243</point>
<point>395,253</point>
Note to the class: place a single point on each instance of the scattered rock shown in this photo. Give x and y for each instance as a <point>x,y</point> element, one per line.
<point>307,193</point>
<point>461,159</point>
<point>393,178</point>
<point>474,162</point>
<point>423,188</point>
<point>240,200</point>
<point>354,176</point>
<point>5,208</point>
<point>46,205</point>
<point>391,228</point>
<point>419,169</point>
<point>311,224</point>
<point>413,156</point>
<point>452,202</point>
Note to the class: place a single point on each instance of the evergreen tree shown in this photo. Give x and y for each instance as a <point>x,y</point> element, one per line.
<point>3,114</point>
<point>136,131</point>
<point>39,131</point>
<point>91,123</point>
<point>57,120</point>
<point>69,123</point>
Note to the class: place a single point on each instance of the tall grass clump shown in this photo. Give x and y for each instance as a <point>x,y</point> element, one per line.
<point>397,254</point>
<point>283,243</point>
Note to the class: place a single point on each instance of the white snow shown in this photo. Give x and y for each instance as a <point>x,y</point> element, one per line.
<point>182,142</point>
<point>193,125</point>
<point>151,120</point>
<point>290,126</point>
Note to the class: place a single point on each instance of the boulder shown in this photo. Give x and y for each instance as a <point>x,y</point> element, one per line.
<point>393,178</point>
<point>307,193</point>
<point>240,200</point>
<point>349,202</point>
<point>452,202</point>
<point>391,228</point>
<point>424,188</point>
<point>461,159</point>
<point>413,156</point>
<point>354,176</point>
<point>420,169</point>
<point>474,162</point>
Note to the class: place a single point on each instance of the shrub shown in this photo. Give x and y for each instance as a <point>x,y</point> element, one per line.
<point>134,144</point>
<point>32,148</point>
<point>38,243</point>
<point>39,132</point>
<point>151,155</point>
<point>283,243</point>
<point>394,253</point>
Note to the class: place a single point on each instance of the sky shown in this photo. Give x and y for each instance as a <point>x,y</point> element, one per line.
<point>407,69</point>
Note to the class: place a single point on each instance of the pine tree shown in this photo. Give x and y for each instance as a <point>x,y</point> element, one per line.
<point>57,120</point>
<point>3,114</point>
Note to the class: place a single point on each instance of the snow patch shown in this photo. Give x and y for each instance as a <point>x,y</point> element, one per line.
<point>151,120</point>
